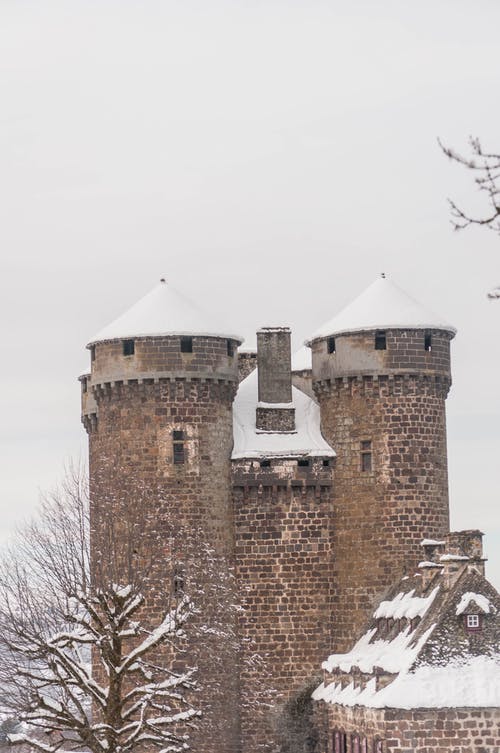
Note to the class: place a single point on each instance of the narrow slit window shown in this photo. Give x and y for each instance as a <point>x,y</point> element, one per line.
<point>92,353</point>
<point>380,340</point>
<point>366,456</point>
<point>178,580</point>
<point>178,445</point>
<point>84,385</point>
<point>428,342</point>
<point>186,344</point>
<point>230,348</point>
<point>128,347</point>
<point>331,345</point>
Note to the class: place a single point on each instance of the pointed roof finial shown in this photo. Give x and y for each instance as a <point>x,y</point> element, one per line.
<point>163,312</point>
<point>383,305</point>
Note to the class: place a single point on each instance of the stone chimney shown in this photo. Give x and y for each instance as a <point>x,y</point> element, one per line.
<point>275,412</point>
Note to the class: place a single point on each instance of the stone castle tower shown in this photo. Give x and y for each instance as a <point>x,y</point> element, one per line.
<point>316,503</point>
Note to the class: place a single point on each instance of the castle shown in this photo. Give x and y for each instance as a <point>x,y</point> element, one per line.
<point>318,479</point>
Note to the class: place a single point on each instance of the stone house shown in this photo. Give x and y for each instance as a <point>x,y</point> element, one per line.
<point>424,676</point>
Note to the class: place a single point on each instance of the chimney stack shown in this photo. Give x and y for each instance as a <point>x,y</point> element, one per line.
<point>275,412</point>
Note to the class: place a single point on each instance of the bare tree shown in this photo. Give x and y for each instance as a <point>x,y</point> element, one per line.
<point>81,666</point>
<point>486,169</point>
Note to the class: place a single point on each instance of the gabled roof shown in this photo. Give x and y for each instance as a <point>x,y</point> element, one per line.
<point>163,311</point>
<point>251,443</point>
<point>417,643</point>
<point>383,305</point>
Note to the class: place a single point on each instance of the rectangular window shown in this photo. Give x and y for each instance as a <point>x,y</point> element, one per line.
<point>326,463</point>
<point>428,342</point>
<point>265,463</point>
<point>331,345</point>
<point>380,340</point>
<point>230,348</point>
<point>186,344</point>
<point>128,347</point>
<point>92,352</point>
<point>472,621</point>
<point>84,385</point>
<point>303,463</point>
<point>178,445</point>
<point>178,579</point>
<point>366,456</point>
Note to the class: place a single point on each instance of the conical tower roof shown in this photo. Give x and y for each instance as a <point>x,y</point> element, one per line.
<point>383,305</point>
<point>162,312</point>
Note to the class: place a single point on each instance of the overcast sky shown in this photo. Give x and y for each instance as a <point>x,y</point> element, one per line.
<point>270,158</point>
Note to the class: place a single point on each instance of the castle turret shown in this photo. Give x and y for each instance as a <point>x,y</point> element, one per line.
<point>158,409</point>
<point>381,373</point>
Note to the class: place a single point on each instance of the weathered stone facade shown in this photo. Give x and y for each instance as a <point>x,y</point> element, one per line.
<point>362,730</point>
<point>389,406</point>
<point>143,406</point>
<point>283,526</point>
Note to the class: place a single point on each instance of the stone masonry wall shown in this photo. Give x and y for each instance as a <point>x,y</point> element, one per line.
<point>382,514</point>
<point>461,730</point>
<point>143,497</point>
<point>283,524</point>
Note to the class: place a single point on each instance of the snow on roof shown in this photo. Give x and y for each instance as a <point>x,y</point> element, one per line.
<point>302,359</point>
<point>383,305</point>
<point>162,311</point>
<point>395,655</point>
<point>471,682</point>
<point>479,600</point>
<point>405,605</point>
<point>251,443</point>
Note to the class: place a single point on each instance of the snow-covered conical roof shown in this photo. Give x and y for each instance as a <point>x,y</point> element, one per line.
<point>383,305</point>
<point>163,311</point>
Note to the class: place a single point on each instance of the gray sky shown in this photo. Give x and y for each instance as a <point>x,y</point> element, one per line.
<point>270,158</point>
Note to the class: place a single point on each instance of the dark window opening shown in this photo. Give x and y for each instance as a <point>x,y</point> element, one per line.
<point>265,463</point>
<point>366,456</point>
<point>186,344</point>
<point>178,445</point>
<point>428,342</point>
<point>178,580</point>
<point>128,347</point>
<point>303,463</point>
<point>230,348</point>
<point>331,345</point>
<point>326,463</point>
<point>380,341</point>
<point>84,385</point>
<point>92,353</point>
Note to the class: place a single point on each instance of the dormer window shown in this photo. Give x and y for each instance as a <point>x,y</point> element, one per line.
<point>186,344</point>
<point>473,623</point>
<point>380,340</point>
<point>128,347</point>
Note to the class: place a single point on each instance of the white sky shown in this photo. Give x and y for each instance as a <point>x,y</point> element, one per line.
<point>270,158</point>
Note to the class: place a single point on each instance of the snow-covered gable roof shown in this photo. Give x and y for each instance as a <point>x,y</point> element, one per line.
<point>383,305</point>
<point>417,642</point>
<point>251,443</point>
<point>163,311</point>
